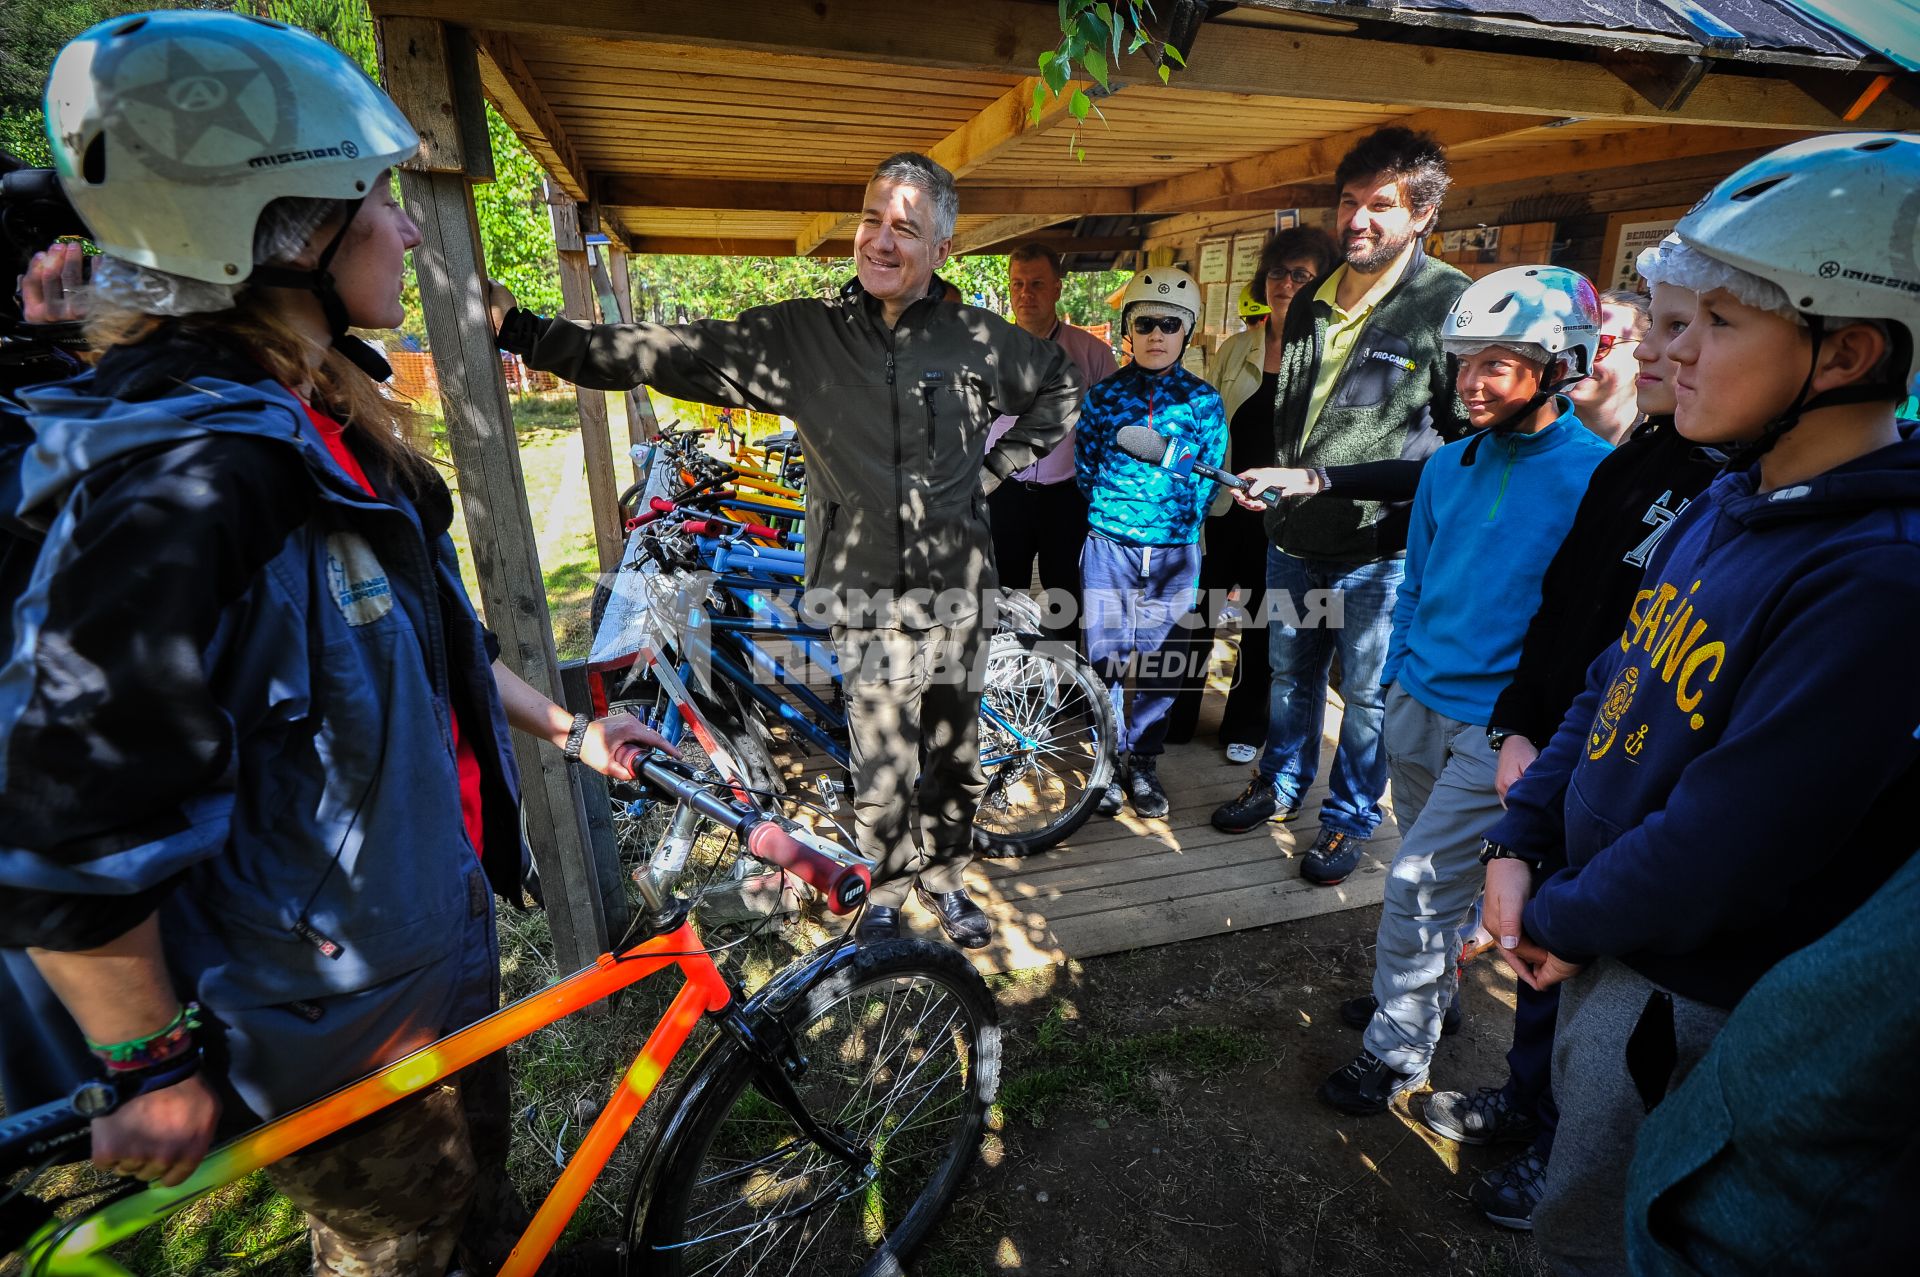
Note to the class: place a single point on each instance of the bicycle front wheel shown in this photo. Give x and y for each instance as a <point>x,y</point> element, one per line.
<point>900,1047</point>
<point>1046,745</point>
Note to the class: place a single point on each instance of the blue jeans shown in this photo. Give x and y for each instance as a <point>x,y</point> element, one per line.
<point>1301,642</point>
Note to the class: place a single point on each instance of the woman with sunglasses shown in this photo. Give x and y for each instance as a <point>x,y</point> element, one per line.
<point>1246,372</point>
<point>1141,561</point>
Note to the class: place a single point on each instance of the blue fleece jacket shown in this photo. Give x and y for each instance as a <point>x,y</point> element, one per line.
<point>1739,774</point>
<point>1132,501</point>
<point>1488,515</point>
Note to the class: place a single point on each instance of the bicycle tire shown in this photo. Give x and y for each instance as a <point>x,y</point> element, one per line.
<point>731,1181</point>
<point>1074,760</point>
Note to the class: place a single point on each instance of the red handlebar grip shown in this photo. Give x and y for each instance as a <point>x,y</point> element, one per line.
<point>660,505</point>
<point>844,886</point>
<point>699,528</point>
<point>762,530</point>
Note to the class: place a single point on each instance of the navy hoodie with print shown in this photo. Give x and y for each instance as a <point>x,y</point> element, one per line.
<point>1739,773</point>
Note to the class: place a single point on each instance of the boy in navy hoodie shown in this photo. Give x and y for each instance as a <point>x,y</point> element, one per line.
<point>1738,775</point>
<point>1486,518</point>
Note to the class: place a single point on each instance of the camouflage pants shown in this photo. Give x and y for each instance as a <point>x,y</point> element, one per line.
<point>388,1201</point>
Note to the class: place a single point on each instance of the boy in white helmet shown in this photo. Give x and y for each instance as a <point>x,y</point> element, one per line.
<point>1759,674</point>
<point>1486,518</point>
<point>1141,561</point>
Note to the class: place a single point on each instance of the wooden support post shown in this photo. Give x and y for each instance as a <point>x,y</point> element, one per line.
<point>576,293</point>
<point>473,395</point>
<point>641,425</point>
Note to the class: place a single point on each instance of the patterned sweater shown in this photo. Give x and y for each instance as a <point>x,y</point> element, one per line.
<point>1132,501</point>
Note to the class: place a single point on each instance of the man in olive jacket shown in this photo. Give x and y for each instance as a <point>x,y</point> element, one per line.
<point>891,390</point>
<point>1362,379</point>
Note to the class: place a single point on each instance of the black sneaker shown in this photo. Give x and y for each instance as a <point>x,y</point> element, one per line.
<point>1112,799</point>
<point>1257,804</point>
<point>1331,858</point>
<point>1508,1193</point>
<point>1485,1117</point>
<point>1143,787</point>
<point>1357,1013</point>
<point>1367,1086</point>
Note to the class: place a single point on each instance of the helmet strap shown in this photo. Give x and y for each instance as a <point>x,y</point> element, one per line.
<point>1541,398</point>
<point>319,281</point>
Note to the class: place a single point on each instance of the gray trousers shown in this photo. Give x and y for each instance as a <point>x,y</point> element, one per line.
<point>913,711</point>
<point>1444,802</point>
<point>1580,1223</point>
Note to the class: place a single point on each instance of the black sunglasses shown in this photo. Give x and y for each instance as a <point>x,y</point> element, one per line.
<point>1144,324</point>
<point>1301,278</point>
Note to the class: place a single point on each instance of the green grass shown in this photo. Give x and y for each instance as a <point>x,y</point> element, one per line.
<point>1081,1068</point>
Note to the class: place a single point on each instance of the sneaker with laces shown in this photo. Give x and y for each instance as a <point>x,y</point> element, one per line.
<point>1112,799</point>
<point>1257,804</point>
<point>1367,1085</point>
<point>1507,1194</point>
<point>1144,791</point>
<point>1356,1013</point>
<point>1488,1116</point>
<point>1331,858</point>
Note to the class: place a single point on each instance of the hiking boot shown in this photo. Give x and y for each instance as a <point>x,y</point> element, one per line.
<point>965,922</point>
<point>1367,1086</point>
<point>1508,1193</point>
<point>1331,858</point>
<point>878,923</point>
<point>1357,1013</point>
<point>1112,799</point>
<point>1485,1117</point>
<point>1144,790</point>
<point>1257,804</point>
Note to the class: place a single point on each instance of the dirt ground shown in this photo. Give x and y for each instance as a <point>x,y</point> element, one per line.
<point>1166,1163</point>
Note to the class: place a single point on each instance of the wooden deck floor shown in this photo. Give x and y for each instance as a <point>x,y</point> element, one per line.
<point>1125,883</point>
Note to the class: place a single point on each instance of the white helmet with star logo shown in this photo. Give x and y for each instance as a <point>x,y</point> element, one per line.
<point>172,131</point>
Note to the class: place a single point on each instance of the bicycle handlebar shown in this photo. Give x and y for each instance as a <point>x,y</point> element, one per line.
<point>839,875</point>
<point>726,527</point>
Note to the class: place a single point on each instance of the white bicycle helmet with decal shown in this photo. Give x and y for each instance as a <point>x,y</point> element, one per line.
<point>1163,286</point>
<point>1826,231</point>
<point>174,132</point>
<point>1542,313</point>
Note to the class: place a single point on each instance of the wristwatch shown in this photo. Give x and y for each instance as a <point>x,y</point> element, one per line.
<point>1498,736</point>
<point>1491,851</point>
<point>576,736</point>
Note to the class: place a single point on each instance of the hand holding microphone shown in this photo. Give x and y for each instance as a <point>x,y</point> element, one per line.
<point>1179,456</point>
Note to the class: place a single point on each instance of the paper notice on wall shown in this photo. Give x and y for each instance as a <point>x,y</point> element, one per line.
<point>1246,258</point>
<point>1217,295</point>
<point>1635,237</point>
<point>1213,261</point>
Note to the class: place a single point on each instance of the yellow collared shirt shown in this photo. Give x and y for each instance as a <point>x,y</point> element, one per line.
<point>1343,330</point>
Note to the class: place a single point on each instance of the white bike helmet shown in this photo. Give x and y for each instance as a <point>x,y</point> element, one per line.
<point>1826,230</point>
<point>1162,290</point>
<point>172,132</point>
<point>1538,312</point>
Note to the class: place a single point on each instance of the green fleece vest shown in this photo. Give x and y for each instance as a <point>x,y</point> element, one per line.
<point>1395,398</point>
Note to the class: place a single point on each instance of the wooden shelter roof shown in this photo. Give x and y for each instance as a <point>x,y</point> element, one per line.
<point>749,126</point>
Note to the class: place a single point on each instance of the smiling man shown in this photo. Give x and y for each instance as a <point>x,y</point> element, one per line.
<point>1362,378</point>
<point>891,389</point>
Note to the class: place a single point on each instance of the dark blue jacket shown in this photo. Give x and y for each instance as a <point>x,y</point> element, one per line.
<point>1132,501</point>
<point>227,698</point>
<point>1740,772</point>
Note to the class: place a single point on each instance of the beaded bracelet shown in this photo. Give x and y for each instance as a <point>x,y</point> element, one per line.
<point>169,1043</point>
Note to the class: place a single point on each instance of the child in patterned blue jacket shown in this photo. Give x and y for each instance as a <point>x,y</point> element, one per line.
<point>1141,562</point>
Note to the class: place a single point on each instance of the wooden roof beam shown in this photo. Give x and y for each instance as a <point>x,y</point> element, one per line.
<point>1063,244</point>
<point>986,134</point>
<point>1316,160</point>
<point>1007,36</point>
<point>728,246</point>
<point>1609,150</point>
<point>515,94</point>
<point>1000,229</point>
<point>837,199</point>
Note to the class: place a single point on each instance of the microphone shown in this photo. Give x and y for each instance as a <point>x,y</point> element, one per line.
<point>1181,457</point>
